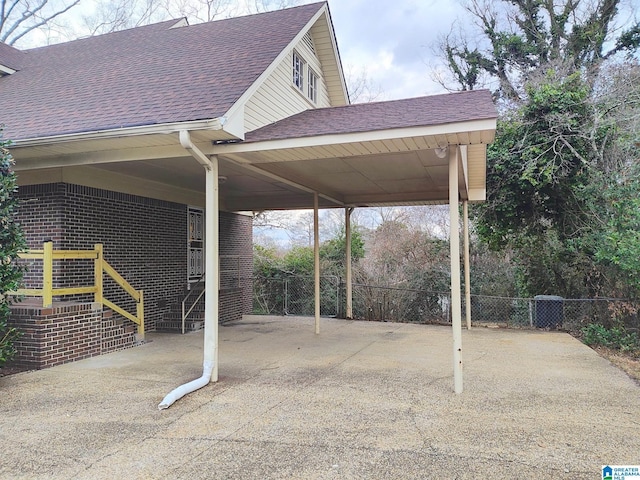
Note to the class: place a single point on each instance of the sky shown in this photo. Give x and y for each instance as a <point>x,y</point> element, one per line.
<point>393,41</point>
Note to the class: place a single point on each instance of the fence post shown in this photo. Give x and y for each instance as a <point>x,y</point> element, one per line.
<point>97,273</point>
<point>47,274</point>
<point>140,315</point>
<point>285,299</point>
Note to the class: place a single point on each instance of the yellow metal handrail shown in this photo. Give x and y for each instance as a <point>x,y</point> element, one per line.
<point>101,266</point>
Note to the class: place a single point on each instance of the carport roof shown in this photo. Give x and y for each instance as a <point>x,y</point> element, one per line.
<point>364,117</point>
<point>385,153</point>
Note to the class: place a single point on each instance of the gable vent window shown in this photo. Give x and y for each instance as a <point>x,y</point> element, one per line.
<point>298,72</point>
<point>309,42</point>
<point>312,86</point>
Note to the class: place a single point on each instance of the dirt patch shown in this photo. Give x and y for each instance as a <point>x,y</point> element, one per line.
<point>627,363</point>
<point>5,371</point>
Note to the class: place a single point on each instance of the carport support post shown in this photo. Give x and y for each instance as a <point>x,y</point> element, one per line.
<point>347,236</point>
<point>212,279</point>
<point>467,271</point>
<point>316,261</point>
<point>454,242</point>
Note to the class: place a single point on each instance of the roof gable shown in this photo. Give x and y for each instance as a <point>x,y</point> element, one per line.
<point>145,76</point>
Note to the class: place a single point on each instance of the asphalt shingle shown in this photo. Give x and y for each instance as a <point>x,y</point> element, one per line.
<point>411,112</point>
<point>148,75</point>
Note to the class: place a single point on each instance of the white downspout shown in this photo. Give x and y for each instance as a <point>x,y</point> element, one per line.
<point>210,361</point>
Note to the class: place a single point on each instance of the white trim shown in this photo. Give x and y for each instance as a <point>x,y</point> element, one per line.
<point>368,136</point>
<point>4,70</point>
<point>297,74</point>
<point>334,42</point>
<point>312,94</point>
<point>98,156</point>
<point>163,128</point>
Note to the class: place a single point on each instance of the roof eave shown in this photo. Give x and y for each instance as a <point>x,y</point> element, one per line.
<point>163,128</point>
<point>488,124</point>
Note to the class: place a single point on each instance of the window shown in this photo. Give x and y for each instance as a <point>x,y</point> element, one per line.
<point>298,72</point>
<point>312,86</point>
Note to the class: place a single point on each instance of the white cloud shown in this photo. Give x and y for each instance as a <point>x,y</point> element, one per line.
<point>393,40</point>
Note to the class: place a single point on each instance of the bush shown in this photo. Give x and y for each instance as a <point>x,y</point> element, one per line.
<point>617,338</point>
<point>11,242</point>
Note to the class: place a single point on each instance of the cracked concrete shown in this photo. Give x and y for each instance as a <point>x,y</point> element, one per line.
<point>360,400</point>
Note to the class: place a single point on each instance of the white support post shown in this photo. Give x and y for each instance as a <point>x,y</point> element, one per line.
<point>467,268</point>
<point>212,285</point>
<point>316,261</point>
<point>454,241</point>
<point>347,233</point>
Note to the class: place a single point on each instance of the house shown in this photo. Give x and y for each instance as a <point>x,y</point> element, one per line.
<point>138,139</point>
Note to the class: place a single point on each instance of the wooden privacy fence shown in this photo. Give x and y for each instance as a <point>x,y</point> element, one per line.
<point>101,266</point>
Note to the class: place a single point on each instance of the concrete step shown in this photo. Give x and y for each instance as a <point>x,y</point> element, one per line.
<point>176,325</point>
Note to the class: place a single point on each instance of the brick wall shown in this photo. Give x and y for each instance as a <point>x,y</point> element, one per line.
<point>42,223</point>
<point>230,305</point>
<point>144,240</point>
<point>236,238</point>
<point>67,332</point>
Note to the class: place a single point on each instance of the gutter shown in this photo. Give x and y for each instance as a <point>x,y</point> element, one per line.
<point>164,128</point>
<point>212,282</point>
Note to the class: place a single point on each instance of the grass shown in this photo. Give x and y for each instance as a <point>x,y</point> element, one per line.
<point>625,361</point>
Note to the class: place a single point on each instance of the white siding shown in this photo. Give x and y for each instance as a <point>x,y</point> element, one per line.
<point>278,98</point>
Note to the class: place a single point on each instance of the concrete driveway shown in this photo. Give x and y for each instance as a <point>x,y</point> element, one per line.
<point>360,400</point>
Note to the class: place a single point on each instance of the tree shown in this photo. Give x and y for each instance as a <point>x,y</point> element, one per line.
<point>521,37</point>
<point>552,170</point>
<point>333,250</point>
<point>11,242</point>
<point>614,236</point>
<point>20,18</point>
<point>110,16</point>
<point>361,88</point>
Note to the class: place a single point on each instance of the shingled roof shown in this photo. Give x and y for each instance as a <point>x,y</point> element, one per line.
<point>11,57</point>
<point>363,117</point>
<point>148,75</point>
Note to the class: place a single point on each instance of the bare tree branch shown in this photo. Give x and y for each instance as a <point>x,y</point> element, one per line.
<point>23,17</point>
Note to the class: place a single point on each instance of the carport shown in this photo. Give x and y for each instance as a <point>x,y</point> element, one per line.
<point>421,151</point>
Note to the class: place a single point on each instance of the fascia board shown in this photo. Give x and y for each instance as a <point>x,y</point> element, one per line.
<point>338,60</point>
<point>165,128</point>
<point>342,138</point>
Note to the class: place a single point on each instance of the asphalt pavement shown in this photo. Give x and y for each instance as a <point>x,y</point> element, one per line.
<point>361,400</point>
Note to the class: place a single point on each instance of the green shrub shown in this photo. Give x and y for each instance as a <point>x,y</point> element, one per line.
<point>11,242</point>
<point>617,338</point>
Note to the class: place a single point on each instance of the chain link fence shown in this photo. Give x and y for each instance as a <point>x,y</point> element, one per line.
<point>554,312</point>
<point>294,295</point>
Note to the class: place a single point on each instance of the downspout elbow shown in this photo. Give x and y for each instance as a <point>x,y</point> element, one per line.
<point>179,392</point>
<point>187,144</point>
